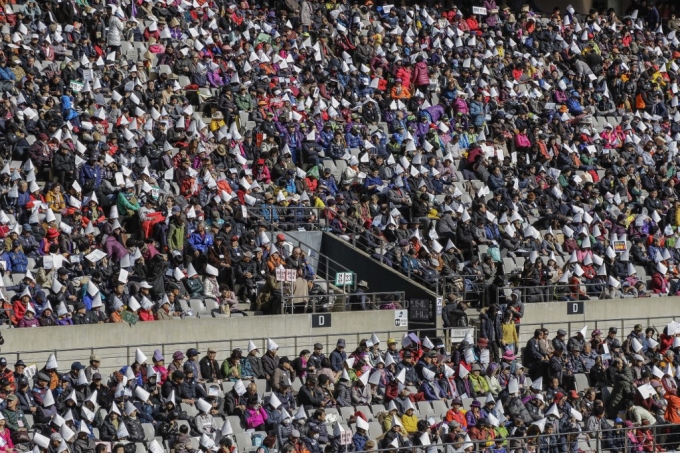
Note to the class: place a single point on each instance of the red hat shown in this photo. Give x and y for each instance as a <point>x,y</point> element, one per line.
<point>573,394</point>
<point>483,342</point>
<point>52,233</point>
<point>558,397</point>
<point>280,237</point>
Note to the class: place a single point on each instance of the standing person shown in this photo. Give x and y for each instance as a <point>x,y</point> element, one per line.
<point>116,28</point>
<point>338,356</point>
<point>533,358</point>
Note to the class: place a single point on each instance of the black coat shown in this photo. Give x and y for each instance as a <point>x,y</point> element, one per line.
<point>107,432</point>
<point>135,429</point>
<point>309,398</point>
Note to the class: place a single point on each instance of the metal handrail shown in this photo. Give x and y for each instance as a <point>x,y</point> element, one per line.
<point>289,301</point>
<point>287,345</point>
<point>594,441</point>
<point>256,213</point>
<point>330,266</point>
<point>440,283</point>
<point>551,292</point>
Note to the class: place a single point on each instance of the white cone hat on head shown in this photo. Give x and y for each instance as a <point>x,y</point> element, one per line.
<point>48,399</point>
<point>274,401</point>
<point>51,363</point>
<point>428,374</point>
<point>376,376</point>
<point>635,344</point>
<point>364,378</point>
<point>66,432</point>
<point>362,424</point>
<point>271,345</point>
<point>203,406</point>
<point>129,408</point>
<point>227,428</point>
<point>142,394</point>
<point>140,357</point>
<point>553,411</point>
<point>396,421</point>
<point>240,388</point>
<point>251,346</point>
<point>41,440</point>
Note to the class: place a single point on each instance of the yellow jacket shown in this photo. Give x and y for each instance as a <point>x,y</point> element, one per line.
<point>510,333</point>
<point>410,423</point>
<point>215,125</point>
<point>55,201</point>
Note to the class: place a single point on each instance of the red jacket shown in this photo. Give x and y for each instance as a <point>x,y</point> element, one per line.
<point>145,315</point>
<point>659,283</point>
<point>420,76</point>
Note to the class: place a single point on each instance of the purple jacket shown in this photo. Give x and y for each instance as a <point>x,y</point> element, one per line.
<point>114,249</point>
<point>25,322</point>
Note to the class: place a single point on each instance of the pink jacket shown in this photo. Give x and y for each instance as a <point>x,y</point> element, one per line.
<point>460,106</point>
<point>5,440</point>
<point>255,418</point>
<point>420,75</point>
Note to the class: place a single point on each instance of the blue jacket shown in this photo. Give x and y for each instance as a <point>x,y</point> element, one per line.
<point>88,171</point>
<point>7,74</point>
<point>359,442</point>
<point>18,261</point>
<point>574,106</point>
<point>270,213</point>
<point>202,244</point>
<point>477,113</point>
<point>337,359</point>
<point>23,199</point>
<point>432,391</point>
<point>66,108</point>
<point>353,141</point>
<point>371,181</point>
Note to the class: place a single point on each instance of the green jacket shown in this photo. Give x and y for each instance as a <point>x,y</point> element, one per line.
<point>194,287</point>
<point>13,418</point>
<point>244,102</point>
<point>124,205</point>
<point>176,235</point>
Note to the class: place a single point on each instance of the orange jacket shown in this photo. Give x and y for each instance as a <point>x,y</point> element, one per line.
<point>671,415</point>
<point>273,262</point>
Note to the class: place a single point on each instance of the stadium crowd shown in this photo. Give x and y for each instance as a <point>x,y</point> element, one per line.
<point>150,146</point>
<point>609,392</point>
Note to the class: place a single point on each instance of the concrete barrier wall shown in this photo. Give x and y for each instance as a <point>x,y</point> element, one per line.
<point>653,311</point>
<point>116,343</point>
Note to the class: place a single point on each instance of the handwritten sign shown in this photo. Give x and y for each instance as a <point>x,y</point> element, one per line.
<point>479,10</point>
